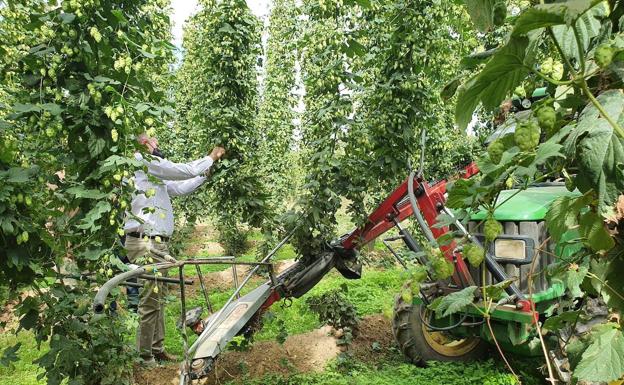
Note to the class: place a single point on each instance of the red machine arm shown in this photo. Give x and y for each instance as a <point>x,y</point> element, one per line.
<point>397,208</point>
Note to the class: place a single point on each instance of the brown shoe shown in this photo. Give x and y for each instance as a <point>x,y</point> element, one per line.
<point>164,356</point>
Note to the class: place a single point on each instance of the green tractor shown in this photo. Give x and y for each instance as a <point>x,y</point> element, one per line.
<point>522,254</point>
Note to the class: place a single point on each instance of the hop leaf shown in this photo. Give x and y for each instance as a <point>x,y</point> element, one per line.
<point>492,229</point>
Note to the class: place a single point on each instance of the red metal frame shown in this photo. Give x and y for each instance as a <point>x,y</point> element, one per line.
<point>430,198</point>
<point>396,208</point>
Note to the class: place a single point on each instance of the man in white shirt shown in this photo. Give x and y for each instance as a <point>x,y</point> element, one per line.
<point>148,227</point>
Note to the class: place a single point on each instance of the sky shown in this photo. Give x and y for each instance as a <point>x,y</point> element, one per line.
<point>182,9</point>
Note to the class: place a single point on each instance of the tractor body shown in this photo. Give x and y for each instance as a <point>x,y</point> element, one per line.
<point>523,251</point>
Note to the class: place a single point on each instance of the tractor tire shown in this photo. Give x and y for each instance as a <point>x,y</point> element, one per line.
<point>420,345</point>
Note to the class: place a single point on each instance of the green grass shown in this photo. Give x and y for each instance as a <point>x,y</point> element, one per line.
<point>371,295</point>
<point>23,371</point>
<point>397,373</point>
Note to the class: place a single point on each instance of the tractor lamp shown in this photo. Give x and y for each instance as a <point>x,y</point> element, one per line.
<point>514,249</point>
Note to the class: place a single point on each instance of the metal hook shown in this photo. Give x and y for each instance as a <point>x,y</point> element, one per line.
<point>286,303</point>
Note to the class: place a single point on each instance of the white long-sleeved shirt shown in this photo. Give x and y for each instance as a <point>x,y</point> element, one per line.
<point>175,179</point>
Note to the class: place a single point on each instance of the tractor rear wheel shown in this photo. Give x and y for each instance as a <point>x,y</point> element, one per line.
<point>419,344</point>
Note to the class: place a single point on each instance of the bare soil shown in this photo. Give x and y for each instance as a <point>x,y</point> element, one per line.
<point>306,352</point>
<point>374,340</point>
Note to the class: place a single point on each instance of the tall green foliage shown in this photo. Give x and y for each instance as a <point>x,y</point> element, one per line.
<point>276,110</point>
<point>372,84</point>
<point>413,50</point>
<point>325,122</point>
<point>217,101</point>
<point>79,87</point>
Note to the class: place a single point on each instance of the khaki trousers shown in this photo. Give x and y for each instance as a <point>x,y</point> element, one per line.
<point>151,333</point>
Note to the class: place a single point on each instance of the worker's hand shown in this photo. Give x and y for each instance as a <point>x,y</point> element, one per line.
<point>217,153</point>
<point>170,259</point>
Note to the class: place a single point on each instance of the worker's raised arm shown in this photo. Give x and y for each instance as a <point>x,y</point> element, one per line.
<point>167,170</point>
<point>183,187</point>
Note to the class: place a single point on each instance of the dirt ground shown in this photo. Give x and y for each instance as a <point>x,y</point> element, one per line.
<point>300,353</point>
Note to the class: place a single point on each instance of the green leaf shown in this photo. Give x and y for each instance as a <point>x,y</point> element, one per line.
<point>53,108</point>
<point>118,13</point>
<point>599,150</point>
<point>67,17</point>
<point>588,27</point>
<point>561,320</point>
<point>592,227</point>
<point>9,355</point>
<point>142,107</point>
<point>96,145</point>
<point>481,13</point>
<point>540,16</point>
<point>608,281</point>
<point>603,360</point>
<point>17,174</point>
<point>496,291</point>
<point>104,79</point>
<point>548,15</point>
<point>573,280</point>
<point>88,222</point>
<point>6,226</point>
<point>455,302</point>
<point>81,192</point>
<point>548,150</point>
<point>471,61</point>
<point>22,108</point>
<point>353,48</point>
<point>147,54</point>
<point>92,254</point>
<point>364,3</point>
<point>450,88</point>
<point>460,193</point>
<point>563,214</point>
<point>498,78</point>
<point>29,319</point>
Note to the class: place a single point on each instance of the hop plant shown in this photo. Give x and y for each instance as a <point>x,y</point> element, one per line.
<point>496,150</point>
<point>492,229</point>
<point>557,70</point>
<point>546,118</point>
<point>547,66</point>
<point>95,34</point>
<point>604,55</point>
<point>474,253</point>
<point>509,182</point>
<point>442,267</point>
<point>527,135</point>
